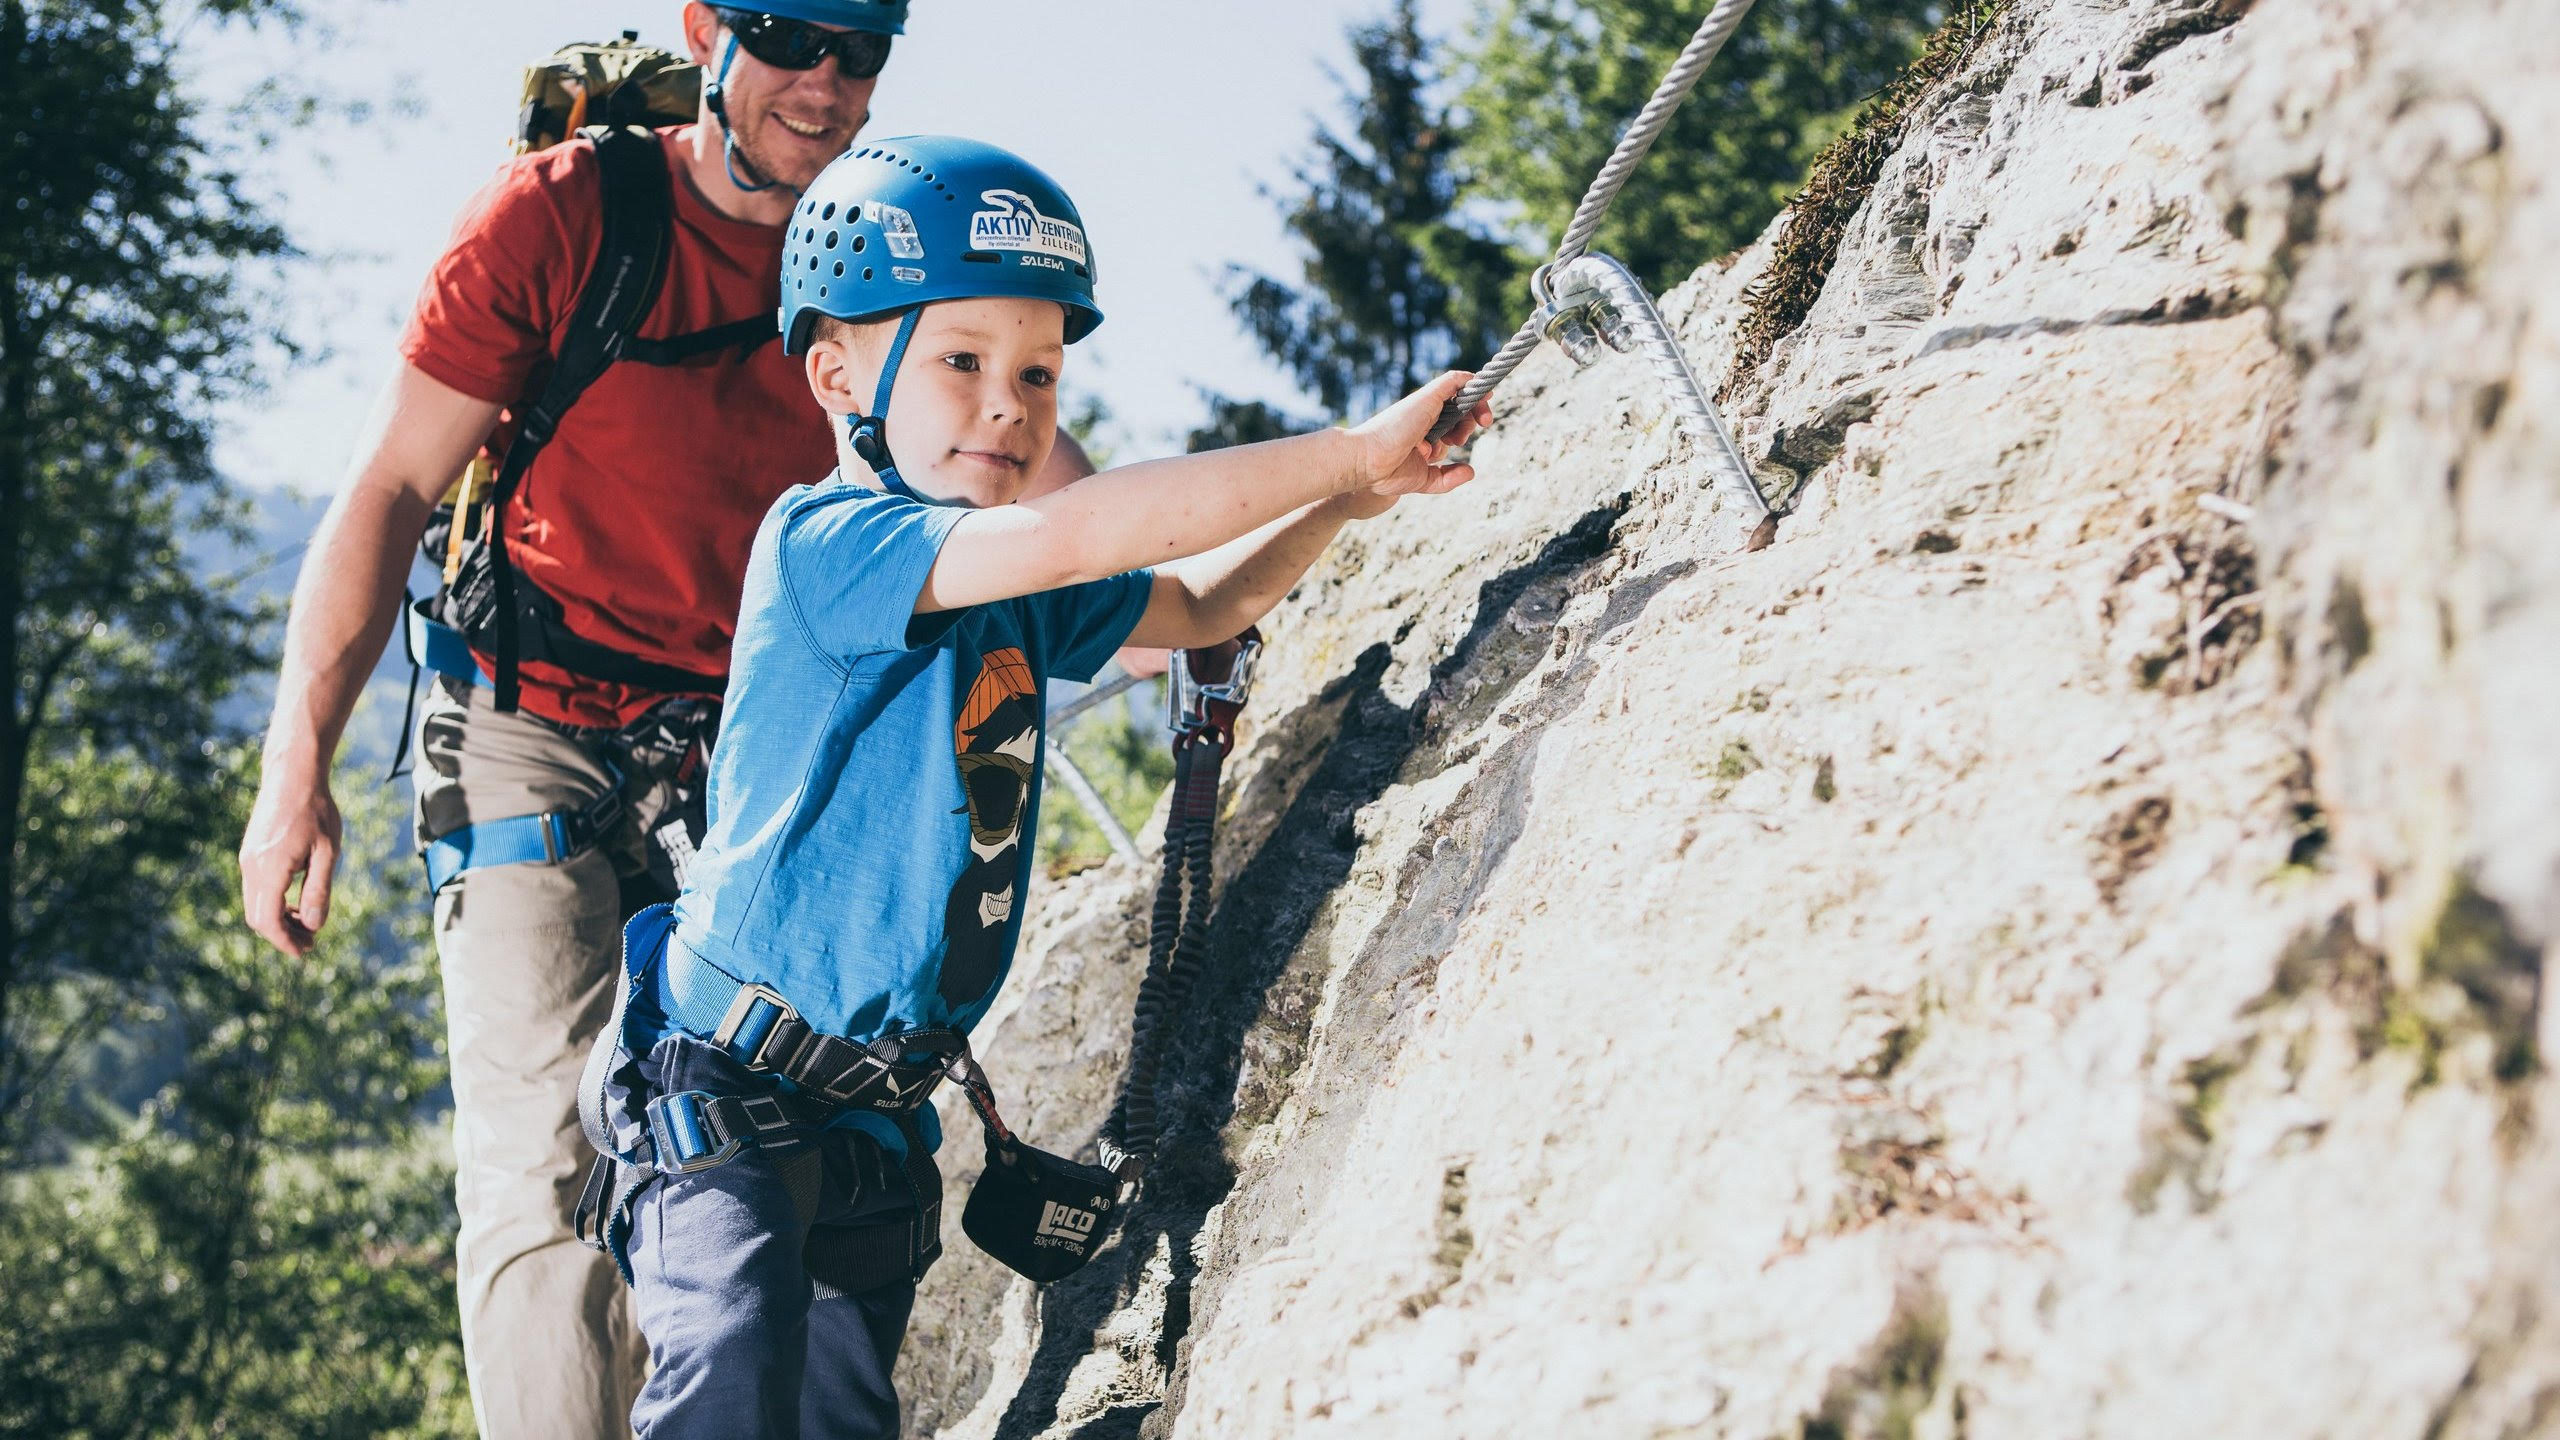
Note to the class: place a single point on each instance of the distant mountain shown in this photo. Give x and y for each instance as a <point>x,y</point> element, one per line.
<point>281,525</point>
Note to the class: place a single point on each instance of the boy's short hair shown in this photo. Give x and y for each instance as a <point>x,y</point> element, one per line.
<point>829,327</point>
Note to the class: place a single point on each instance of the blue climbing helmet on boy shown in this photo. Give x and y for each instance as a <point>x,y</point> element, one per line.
<point>895,225</point>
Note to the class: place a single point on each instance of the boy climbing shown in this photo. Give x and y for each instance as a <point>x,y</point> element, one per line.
<point>767,1180</point>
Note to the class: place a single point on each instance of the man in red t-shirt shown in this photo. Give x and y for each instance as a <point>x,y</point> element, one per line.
<point>636,520</point>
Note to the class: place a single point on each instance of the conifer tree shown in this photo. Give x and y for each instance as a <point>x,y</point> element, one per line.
<point>1548,86</point>
<point>128,310</point>
<point>1396,284</point>
<point>221,1213</point>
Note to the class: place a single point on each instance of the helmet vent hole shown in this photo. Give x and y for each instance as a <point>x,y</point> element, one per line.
<point>1081,272</point>
<point>981,257</point>
<point>839,269</point>
<point>866,272</point>
<point>831,239</point>
<point>822,292</point>
<point>829,213</point>
<point>859,243</point>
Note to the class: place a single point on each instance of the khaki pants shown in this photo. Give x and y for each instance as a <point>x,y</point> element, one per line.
<point>531,956</point>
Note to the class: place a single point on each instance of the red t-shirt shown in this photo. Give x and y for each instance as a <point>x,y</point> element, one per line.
<point>638,516</point>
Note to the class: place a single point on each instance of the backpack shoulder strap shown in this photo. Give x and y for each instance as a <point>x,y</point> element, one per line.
<point>630,268</point>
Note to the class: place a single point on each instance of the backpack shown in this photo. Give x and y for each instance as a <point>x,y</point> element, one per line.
<point>613,82</point>
<point>611,93</point>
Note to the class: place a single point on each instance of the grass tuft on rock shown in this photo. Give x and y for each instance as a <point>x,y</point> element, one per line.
<point>1842,176</point>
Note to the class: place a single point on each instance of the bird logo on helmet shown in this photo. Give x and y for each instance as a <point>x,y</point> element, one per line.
<point>895,225</point>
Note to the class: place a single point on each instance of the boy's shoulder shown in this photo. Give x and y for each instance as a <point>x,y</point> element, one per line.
<point>837,516</point>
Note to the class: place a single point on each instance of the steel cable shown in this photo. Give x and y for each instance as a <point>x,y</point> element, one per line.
<point>1648,126</point>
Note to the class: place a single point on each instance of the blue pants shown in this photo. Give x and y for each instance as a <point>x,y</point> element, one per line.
<point>742,1342</point>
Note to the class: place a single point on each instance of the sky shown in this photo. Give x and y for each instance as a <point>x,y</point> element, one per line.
<point>1163,118</point>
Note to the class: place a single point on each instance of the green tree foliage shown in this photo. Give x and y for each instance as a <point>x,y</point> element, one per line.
<point>1549,86</point>
<point>219,1211</point>
<point>264,1250</point>
<point>1130,763</point>
<point>1396,285</point>
<point>1242,422</point>
<point>129,306</point>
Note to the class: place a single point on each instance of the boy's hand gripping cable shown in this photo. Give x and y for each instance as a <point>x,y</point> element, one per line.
<point>1206,691</point>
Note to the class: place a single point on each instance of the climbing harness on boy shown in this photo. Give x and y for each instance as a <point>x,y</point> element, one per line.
<point>1205,691</point>
<point>890,227</point>
<point>1586,301</point>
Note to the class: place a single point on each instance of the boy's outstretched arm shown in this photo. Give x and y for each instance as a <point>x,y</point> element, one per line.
<point>1164,510</point>
<point>1209,598</point>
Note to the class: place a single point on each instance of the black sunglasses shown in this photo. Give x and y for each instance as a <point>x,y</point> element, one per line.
<point>788,44</point>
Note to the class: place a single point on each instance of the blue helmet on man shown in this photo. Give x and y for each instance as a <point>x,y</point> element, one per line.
<point>880,17</point>
<point>895,225</point>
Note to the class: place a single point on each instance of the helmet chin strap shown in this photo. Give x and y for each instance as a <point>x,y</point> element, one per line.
<point>869,434</point>
<point>716,96</point>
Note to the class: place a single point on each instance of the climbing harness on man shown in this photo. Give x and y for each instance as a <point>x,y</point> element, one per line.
<point>1587,302</point>
<point>612,94</point>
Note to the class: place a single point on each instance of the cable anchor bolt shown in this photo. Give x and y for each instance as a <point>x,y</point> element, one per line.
<point>1597,302</point>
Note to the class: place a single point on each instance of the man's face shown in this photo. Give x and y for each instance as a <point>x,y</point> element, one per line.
<point>975,408</point>
<point>788,123</point>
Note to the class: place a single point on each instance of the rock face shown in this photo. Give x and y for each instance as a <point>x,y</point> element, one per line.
<point>2051,947</point>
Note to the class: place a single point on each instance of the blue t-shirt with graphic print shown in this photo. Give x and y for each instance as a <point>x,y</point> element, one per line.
<point>876,787</point>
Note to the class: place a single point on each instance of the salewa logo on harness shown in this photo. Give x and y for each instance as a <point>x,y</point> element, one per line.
<point>1018,225</point>
<point>1065,1222</point>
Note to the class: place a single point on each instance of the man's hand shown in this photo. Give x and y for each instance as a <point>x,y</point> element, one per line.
<point>1396,456</point>
<point>293,831</point>
<point>344,605</point>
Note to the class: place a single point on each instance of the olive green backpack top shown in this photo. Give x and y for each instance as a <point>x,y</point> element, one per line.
<point>611,82</point>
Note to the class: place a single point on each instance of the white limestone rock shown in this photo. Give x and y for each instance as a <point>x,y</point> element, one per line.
<point>2050,947</point>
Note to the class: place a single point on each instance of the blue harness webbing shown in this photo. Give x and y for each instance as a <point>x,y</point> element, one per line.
<point>687,1131</point>
<point>550,837</point>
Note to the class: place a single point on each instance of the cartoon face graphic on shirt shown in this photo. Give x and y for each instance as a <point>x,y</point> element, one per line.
<point>997,743</point>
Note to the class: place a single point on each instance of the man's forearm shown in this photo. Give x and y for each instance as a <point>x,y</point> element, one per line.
<point>344,604</point>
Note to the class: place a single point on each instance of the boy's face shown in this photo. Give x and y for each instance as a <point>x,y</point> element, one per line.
<point>975,407</point>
